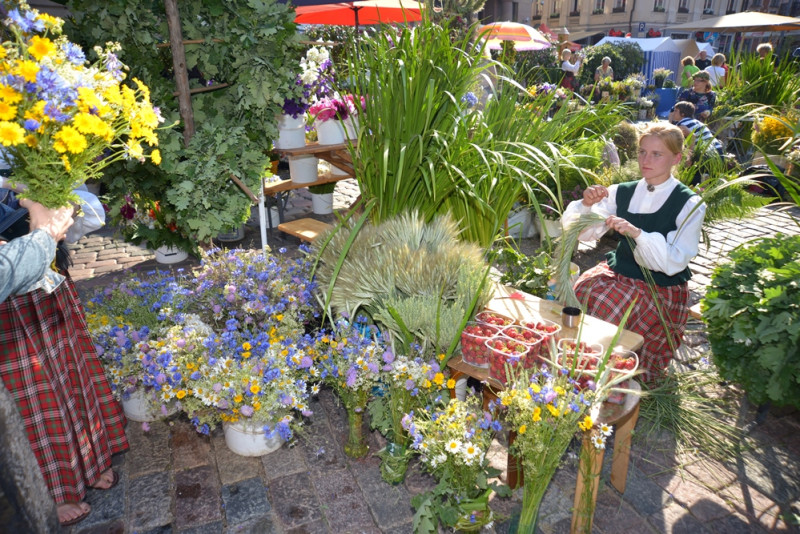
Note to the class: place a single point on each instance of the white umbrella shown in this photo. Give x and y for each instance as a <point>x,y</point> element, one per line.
<point>749,21</point>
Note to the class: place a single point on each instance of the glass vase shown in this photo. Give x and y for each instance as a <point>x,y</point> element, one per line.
<point>356,446</point>
<point>394,463</point>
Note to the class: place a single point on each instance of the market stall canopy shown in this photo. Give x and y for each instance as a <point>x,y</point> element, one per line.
<point>524,37</point>
<point>690,47</point>
<point>360,12</point>
<point>749,21</point>
<point>659,52</point>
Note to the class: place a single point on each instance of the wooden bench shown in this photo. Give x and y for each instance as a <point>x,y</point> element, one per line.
<point>305,229</point>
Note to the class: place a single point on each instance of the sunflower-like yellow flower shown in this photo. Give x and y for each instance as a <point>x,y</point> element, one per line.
<point>586,424</point>
<point>64,158</point>
<point>254,389</point>
<point>238,398</point>
<point>155,157</point>
<point>438,379</point>
<point>537,414</point>
<point>7,112</point>
<point>41,47</point>
<point>553,410</point>
<point>68,139</point>
<point>11,133</point>
<point>522,430</point>
<point>28,70</point>
<point>9,94</point>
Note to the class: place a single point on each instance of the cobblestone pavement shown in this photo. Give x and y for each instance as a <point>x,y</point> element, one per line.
<point>174,480</point>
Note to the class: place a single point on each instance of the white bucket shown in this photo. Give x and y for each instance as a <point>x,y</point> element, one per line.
<point>520,224</point>
<point>330,132</point>
<point>249,440</point>
<point>291,132</point>
<point>303,169</point>
<point>553,227</point>
<point>139,408</point>
<point>168,255</point>
<point>351,127</point>
<point>235,234</point>
<point>322,204</point>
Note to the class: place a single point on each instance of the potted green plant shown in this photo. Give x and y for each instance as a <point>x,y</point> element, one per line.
<point>659,75</point>
<point>751,312</point>
<point>322,198</point>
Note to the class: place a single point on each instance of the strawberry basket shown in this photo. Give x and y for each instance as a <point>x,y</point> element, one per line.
<point>473,343</point>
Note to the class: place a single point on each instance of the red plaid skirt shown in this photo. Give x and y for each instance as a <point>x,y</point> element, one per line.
<point>49,364</point>
<point>608,295</point>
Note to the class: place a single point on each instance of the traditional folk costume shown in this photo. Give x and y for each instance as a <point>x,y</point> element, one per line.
<point>670,217</point>
<point>49,364</point>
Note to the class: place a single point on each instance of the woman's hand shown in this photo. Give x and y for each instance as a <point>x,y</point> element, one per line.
<point>623,227</point>
<point>55,222</point>
<point>594,194</point>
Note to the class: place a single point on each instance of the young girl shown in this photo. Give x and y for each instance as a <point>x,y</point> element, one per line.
<point>569,81</point>
<point>663,218</point>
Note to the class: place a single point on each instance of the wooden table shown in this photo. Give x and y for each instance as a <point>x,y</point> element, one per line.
<point>277,192</point>
<point>523,306</point>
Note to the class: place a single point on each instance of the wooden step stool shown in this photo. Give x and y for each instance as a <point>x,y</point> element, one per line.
<point>305,229</point>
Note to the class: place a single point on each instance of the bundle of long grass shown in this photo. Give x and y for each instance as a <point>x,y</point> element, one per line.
<point>563,256</point>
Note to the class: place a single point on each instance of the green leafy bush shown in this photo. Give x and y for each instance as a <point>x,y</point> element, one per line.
<point>626,58</point>
<point>752,310</point>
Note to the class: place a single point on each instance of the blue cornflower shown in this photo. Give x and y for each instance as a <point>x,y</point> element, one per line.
<point>469,99</point>
<point>32,125</point>
<point>27,23</point>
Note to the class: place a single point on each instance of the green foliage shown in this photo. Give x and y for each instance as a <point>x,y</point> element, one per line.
<point>413,278</point>
<point>626,58</point>
<point>537,66</point>
<point>251,45</point>
<point>524,272</point>
<point>626,138</point>
<point>752,309</point>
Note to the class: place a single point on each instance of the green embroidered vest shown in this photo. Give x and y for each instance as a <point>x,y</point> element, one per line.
<point>662,221</point>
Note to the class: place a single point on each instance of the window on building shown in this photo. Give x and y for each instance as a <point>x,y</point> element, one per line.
<point>731,6</point>
<point>599,5</point>
<point>576,6</point>
<point>658,5</point>
<point>514,11</point>
<point>537,8</point>
<point>683,6</point>
<point>707,5</point>
<point>745,3</point>
<point>619,5</point>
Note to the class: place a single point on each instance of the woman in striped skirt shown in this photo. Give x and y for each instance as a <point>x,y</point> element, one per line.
<point>663,218</point>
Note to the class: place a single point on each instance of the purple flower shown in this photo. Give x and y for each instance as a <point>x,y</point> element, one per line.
<point>351,377</point>
<point>373,367</point>
<point>246,411</point>
<point>306,362</point>
<point>217,387</point>
<point>180,343</point>
<point>216,308</point>
<point>388,356</point>
<point>161,378</point>
<point>410,384</point>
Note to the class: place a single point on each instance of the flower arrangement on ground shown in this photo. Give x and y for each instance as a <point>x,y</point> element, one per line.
<point>349,360</point>
<point>452,439</point>
<point>125,320</point>
<point>408,383</point>
<point>253,290</point>
<point>142,220</point>
<point>62,119</point>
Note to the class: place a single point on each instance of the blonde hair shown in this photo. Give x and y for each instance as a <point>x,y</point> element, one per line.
<point>764,47</point>
<point>669,134</point>
<point>565,54</point>
<point>688,60</point>
<point>718,60</point>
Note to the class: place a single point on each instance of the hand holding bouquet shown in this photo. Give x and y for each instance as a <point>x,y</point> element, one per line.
<point>63,120</point>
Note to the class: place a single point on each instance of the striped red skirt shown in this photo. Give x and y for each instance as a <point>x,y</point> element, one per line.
<point>49,364</point>
<point>608,295</point>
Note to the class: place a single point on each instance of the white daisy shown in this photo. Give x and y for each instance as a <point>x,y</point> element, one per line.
<point>599,442</point>
<point>606,429</point>
<point>453,446</point>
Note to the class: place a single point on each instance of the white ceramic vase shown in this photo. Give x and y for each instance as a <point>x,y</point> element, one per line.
<point>137,407</point>
<point>291,132</point>
<point>246,440</point>
<point>322,204</point>
<point>553,228</point>
<point>168,255</point>
<point>303,169</point>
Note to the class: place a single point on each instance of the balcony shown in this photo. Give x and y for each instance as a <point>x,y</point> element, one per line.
<point>708,12</point>
<point>598,12</point>
<point>574,13</point>
<point>618,10</point>
<point>555,15</point>
<point>659,9</point>
<point>536,17</point>
<point>683,10</point>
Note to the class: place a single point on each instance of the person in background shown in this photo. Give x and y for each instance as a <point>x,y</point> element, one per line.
<point>765,51</point>
<point>660,220</point>
<point>24,260</point>
<point>49,365</point>
<point>701,95</point>
<point>689,69</point>
<point>570,80</point>
<point>604,70</point>
<point>716,71</point>
<point>705,147</point>
<point>702,61</point>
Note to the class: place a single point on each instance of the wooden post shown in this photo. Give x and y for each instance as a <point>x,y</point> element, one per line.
<point>179,66</point>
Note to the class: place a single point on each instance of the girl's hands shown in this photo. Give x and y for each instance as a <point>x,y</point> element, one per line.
<point>623,227</point>
<point>594,194</point>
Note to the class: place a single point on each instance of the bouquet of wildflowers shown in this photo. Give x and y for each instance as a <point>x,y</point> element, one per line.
<point>452,440</point>
<point>314,80</point>
<point>62,119</point>
<point>255,290</point>
<point>408,383</point>
<point>239,376</point>
<point>350,361</point>
<point>140,219</point>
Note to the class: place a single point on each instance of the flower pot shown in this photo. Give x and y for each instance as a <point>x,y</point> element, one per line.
<point>236,234</point>
<point>553,228</point>
<point>322,204</point>
<point>642,114</point>
<point>520,224</point>
<point>330,132</point>
<point>137,407</point>
<point>291,132</point>
<point>351,127</point>
<point>248,440</point>
<point>168,255</point>
<point>303,169</point>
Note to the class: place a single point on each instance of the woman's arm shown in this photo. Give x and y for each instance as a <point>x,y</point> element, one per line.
<point>672,254</point>
<point>569,67</point>
<point>23,261</point>
<point>605,206</point>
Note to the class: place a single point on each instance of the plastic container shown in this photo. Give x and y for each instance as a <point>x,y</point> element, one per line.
<point>473,343</point>
<point>502,350</point>
<point>494,319</point>
<point>530,339</point>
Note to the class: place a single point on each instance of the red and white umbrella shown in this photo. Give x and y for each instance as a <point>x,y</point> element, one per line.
<point>525,37</point>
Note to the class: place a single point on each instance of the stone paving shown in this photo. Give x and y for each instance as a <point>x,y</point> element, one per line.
<point>175,480</point>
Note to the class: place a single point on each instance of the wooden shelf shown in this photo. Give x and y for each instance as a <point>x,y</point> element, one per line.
<point>337,155</point>
<point>279,186</point>
<point>306,229</point>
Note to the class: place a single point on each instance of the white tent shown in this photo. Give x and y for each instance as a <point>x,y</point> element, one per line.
<point>659,52</point>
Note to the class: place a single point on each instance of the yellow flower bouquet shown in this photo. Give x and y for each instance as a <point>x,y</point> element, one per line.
<point>62,119</point>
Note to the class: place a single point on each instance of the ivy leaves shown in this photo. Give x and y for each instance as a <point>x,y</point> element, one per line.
<point>752,310</point>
